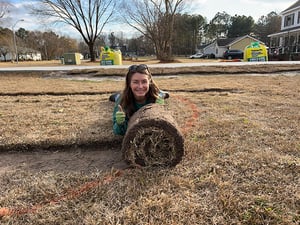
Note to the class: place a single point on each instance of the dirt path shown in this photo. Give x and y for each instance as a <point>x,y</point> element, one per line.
<point>76,160</point>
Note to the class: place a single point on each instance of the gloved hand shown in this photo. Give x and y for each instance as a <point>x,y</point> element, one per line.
<point>120,115</point>
<point>160,101</point>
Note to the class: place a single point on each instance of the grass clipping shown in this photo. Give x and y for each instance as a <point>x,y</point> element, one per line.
<point>153,138</point>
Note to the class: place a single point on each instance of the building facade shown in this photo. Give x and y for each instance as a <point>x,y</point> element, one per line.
<point>219,46</point>
<point>24,54</point>
<point>285,45</point>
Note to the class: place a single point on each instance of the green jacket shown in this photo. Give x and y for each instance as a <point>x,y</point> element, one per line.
<point>120,129</point>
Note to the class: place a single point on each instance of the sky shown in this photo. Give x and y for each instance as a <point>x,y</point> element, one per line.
<point>254,8</point>
<point>206,8</point>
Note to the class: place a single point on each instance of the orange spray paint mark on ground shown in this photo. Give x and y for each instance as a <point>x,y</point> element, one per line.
<point>195,113</point>
<point>74,193</point>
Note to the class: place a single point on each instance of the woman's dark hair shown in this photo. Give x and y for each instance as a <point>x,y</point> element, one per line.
<point>127,99</point>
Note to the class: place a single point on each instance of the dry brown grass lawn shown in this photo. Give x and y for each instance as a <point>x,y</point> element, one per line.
<point>147,60</point>
<point>241,163</point>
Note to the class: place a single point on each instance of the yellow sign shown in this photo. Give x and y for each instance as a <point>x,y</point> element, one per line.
<point>110,57</point>
<point>255,52</point>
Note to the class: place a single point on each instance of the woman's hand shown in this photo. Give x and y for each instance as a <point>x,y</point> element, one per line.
<point>160,101</point>
<point>120,115</point>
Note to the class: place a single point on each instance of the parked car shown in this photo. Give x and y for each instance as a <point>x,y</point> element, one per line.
<point>210,56</point>
<point>233,54</point>
<point>197,56</point>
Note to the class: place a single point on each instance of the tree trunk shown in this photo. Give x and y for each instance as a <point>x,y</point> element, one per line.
<point>164,53</point>
<point>92,52</point>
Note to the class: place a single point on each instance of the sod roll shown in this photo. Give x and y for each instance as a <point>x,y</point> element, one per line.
<point>153,138</point>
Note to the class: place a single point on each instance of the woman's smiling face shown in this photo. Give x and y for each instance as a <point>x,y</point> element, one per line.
<point>140,86</point>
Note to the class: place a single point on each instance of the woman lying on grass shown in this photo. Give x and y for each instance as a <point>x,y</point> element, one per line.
<point>140,90</point>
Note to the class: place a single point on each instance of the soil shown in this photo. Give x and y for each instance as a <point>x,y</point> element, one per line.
<point>77,160</point>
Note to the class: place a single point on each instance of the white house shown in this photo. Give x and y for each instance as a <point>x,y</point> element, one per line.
<point>219,46</point>
<point>7,57</point>
<point>25,54</point>
<point>285,45</point>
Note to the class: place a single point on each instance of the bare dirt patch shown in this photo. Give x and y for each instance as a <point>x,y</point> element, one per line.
<point>61,164</point>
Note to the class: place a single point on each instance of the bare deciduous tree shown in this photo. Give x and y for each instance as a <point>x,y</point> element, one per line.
<point>87,17</point>
<point>51,45</point>
<point>4,8</point>
<point>6,44</point>
<point>155,20</point>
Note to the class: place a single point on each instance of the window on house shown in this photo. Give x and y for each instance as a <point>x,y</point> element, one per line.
<point>289,20</point>
<point>298,19</point>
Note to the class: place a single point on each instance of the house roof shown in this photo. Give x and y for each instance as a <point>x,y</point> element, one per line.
<point>225,41</point>
<point>230,41</point>
<point>205,45</point>
<point>287,31</point>
<point>295,5</point>
<point>291,28</point>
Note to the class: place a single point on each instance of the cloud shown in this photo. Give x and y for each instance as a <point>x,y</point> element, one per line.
<point>21,10</point>
<point>206,8</point>
<point>254,8</point>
